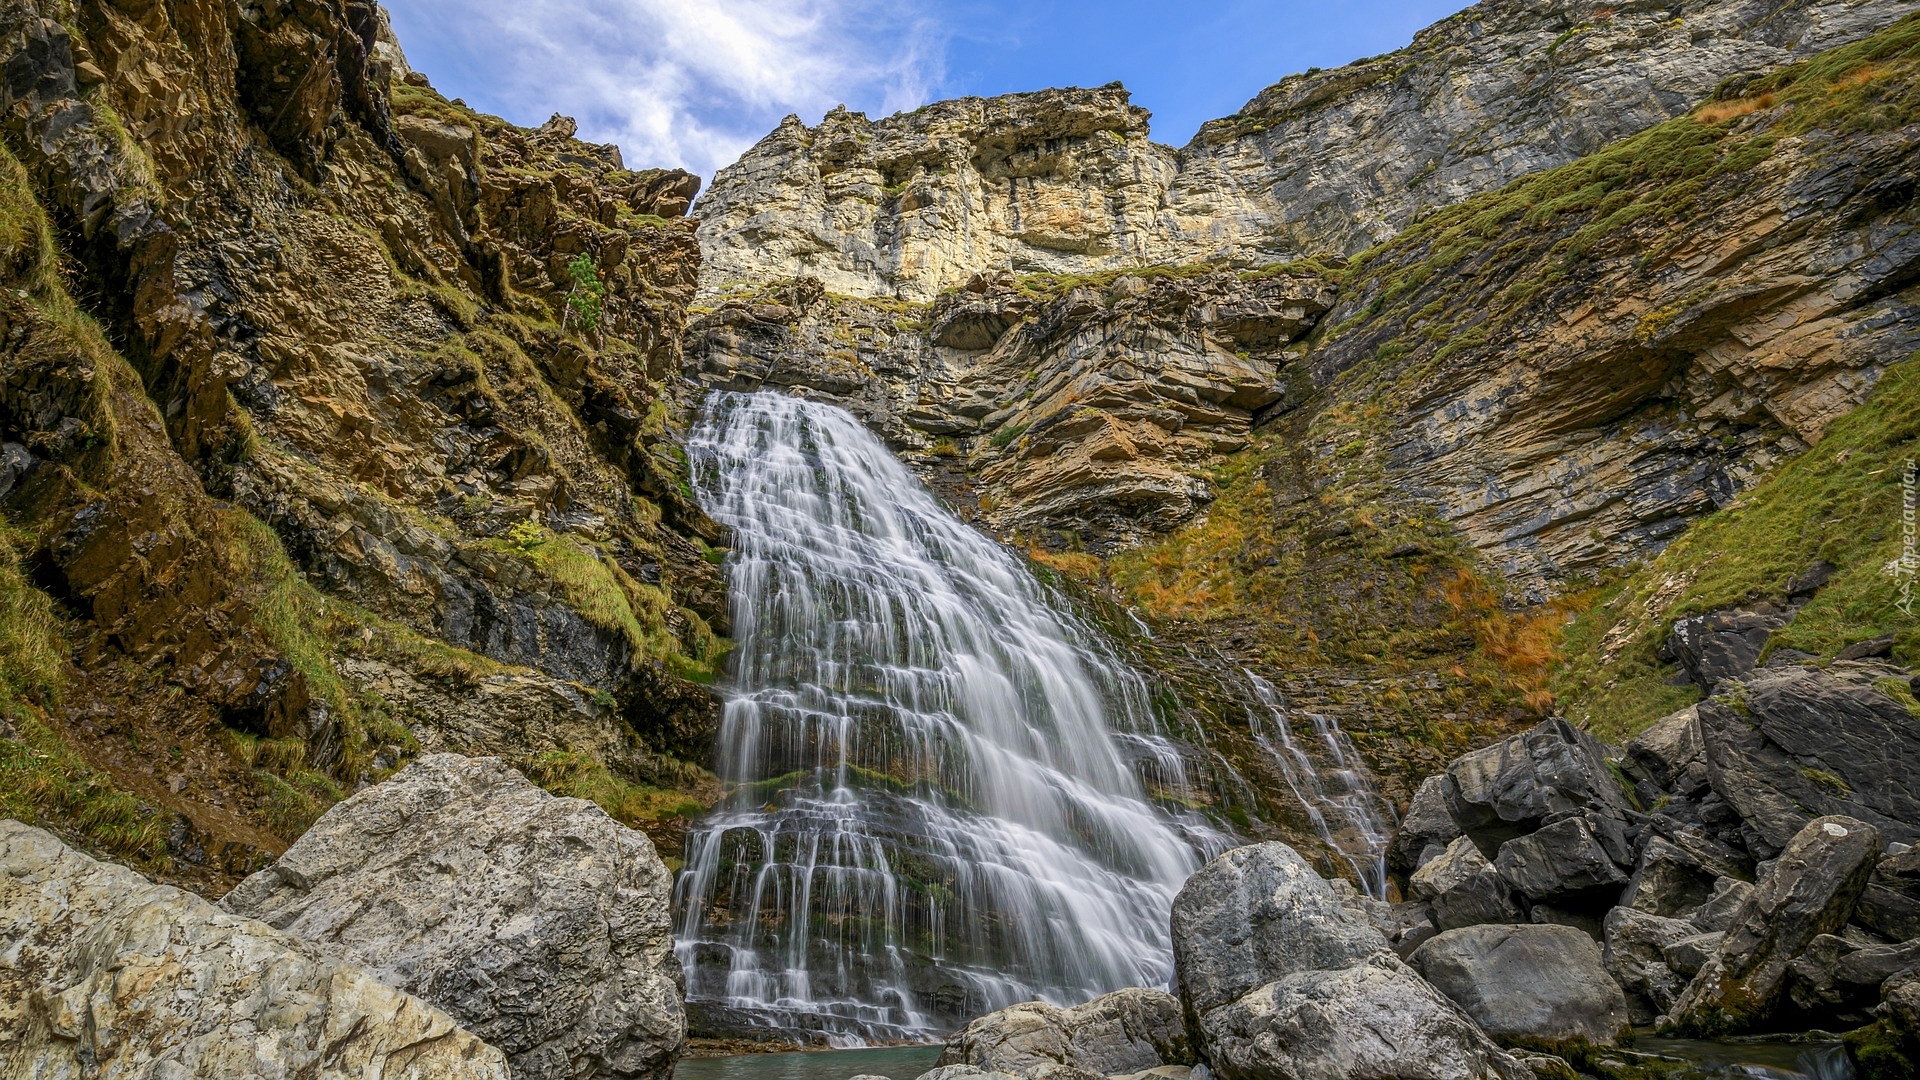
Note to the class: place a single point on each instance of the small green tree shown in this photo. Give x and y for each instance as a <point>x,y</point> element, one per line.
<point>588,293</point>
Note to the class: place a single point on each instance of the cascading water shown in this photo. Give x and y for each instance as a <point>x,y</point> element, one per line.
<point>1348,813</point>
<point>940,802</point>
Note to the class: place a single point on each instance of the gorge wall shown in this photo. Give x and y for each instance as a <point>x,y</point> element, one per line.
<point>337,425</point>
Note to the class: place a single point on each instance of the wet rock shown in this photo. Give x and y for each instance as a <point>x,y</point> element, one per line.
<point>535,920</point>
<point>106,973</point>
<point>1285,980</point>
<point>1564,860</point>
<point>1635,956</point>
<point>1125,1032</point>
<point>1537,983</point>
<point>1793,743</point>
<point>1426,830</point>
<point>1463,888</point>
<point>1810,891</point>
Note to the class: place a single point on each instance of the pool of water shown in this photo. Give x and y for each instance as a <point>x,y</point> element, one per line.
<point>897,1062</point>
<point>1753,1060</point>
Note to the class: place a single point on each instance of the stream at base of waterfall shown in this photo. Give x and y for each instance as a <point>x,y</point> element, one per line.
<point>946,792</point>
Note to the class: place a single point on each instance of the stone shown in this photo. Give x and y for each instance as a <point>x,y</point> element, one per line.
<point>1722,645</point>
<point>1122,1033</point>
<point>1668,881</point>
<point>1561,860</point>
<point>1425,830</point>
<point>1667,747</point>
<point>539,922</point>
<point>105,973</point>
<point>1687,956</point>
<point>1811,891</point>
<point>1253,914</point>
<point>1463,888</point>
<point>1375,1020</point>
<point>1718,912</point>
<point>1635,956</point>
<point>1794,743</point>
<point>1529,982</point>
<point>1839,981</point>
<point>1285,980</point>
<point>1900,1002</point>
<point>1890,906</point>
<point>1514,786</point>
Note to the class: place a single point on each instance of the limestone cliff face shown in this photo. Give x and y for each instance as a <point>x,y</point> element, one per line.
<point>343,426</point>
<point>1068,181</point>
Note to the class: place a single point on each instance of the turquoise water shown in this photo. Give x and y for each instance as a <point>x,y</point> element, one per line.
<point>897,1062</point>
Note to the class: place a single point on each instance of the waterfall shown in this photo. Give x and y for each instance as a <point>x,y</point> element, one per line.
<point>941,782</point>
<point>1349,814</point>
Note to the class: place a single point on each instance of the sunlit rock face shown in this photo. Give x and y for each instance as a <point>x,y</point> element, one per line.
<point>1069,180</point>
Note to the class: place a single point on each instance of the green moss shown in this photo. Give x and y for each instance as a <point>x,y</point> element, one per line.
<point>580,776</point>
<point>1840,501</point>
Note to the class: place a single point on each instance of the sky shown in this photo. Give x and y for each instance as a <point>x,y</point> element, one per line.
<point>693,83</point>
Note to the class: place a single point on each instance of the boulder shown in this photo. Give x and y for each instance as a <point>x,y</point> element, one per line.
<point>1463,889</point>
<point>1285,980</point>
<point>539,922</point>
<point>1663,751</point>
<point>1810,891</point>
<point>1687,956</point>
<point>1900,1002</point>
<point>1636,945</point>
<point>1125,1032</point>
<point>1532,982</point>
<point>1837,979</point>
<point>103,973</point>
<point>1718,912</point>
<point>1723,645</point>
<point>1890,906</point>
<point>1516,785</point>
<point>1790,744</point>
<point>1561,860</point>
<point>1426,830</point>
<point>1668,881</point>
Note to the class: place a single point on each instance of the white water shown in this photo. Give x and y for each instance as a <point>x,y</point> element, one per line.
<point>1347,812</point>
<point>942,802</point>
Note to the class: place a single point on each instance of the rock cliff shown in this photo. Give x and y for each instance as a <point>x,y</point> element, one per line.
<point>1068,181</point>
<point>336,420</point>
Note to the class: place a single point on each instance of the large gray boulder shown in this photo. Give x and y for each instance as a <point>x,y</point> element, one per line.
<point>1118,1034</point>
<point>1790,744</point>
<point>1669,880</point>
<point>103,973</point>
<point>1287,981</point>
<point>1668,746</point>
<point>1890,906</point>
<point>1462,888</point>
<point>1538,983</point>
<point>1811,891</point>
<point>539,922</point>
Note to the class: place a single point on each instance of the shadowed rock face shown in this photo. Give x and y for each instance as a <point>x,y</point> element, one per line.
<point>109,974</point>
<point>1335,161</point>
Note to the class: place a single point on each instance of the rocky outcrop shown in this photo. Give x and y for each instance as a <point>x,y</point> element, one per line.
<point>539,923</point>
<point>1283,979</point>
<point>1088,409</point>
<point>338,307</point>
<point>1811,891</point>
<point>105,973</point>
<point>1118,1034</point>
<point>1540,983</point>
<point>1067,181</point>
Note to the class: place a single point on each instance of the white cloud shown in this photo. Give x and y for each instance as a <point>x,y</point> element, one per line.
<point>688,83</point>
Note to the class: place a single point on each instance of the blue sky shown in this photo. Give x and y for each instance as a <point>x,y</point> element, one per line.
<point>692,83</point>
